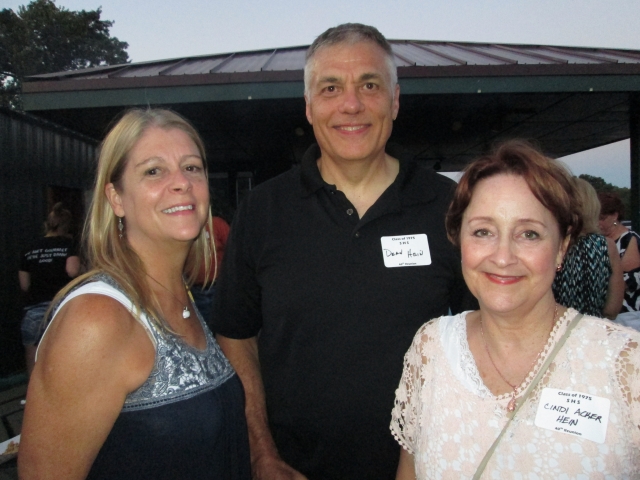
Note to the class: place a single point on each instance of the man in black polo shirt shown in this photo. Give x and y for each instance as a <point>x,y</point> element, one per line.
<point>330,270</point>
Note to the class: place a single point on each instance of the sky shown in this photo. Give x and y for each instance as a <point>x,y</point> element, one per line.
<point>160,29</point>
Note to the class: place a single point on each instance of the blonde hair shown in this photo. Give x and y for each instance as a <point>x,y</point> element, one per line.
<point>104,249</point>
<point>589,206</point>
<point>58,221</point>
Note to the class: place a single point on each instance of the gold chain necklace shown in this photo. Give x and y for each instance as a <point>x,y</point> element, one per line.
<point>185,311</point>
<point>511,406</point>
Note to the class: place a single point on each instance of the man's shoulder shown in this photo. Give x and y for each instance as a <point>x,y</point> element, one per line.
<point>283,188</point>
<point>423,175</point>
<point>282,182</point>
<point>276,193</point>
<point>423,185</point>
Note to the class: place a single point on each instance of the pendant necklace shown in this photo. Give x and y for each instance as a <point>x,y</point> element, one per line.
<point>185,311</point>
<point>511,406</point>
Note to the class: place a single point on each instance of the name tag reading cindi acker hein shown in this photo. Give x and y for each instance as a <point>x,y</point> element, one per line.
<point>575,413</point>
<point>406,250</point>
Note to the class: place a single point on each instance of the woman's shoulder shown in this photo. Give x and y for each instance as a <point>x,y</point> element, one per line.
<point>441,328</point>
<point>610,329</point>
<point>99,331</point>
<point>624,239</point>
<point>593,239</point>
<point>94,284</point>
<point>95,310</point>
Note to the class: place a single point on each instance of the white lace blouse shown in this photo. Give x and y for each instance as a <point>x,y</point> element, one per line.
<point>447,418</point>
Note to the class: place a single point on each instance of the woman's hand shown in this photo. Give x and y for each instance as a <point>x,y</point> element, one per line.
<point>93,356</point>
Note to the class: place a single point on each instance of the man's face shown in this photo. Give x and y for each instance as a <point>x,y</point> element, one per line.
<point>351,102</point>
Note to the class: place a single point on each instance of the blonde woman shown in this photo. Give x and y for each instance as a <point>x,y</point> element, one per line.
<point>129,382</point>
<point>590,278</point>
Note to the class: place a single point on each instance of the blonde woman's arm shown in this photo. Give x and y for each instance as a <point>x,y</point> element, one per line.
<point>93,355</point>
<point>615,290</point>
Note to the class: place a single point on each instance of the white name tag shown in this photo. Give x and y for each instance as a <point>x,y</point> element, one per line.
<point>406,250</point>
<point>575,413</point>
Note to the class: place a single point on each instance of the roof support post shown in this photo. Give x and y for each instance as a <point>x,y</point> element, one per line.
<point>634,135</point>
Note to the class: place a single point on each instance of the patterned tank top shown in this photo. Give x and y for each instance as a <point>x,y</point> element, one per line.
<point>631,302</point>
<point>583,280</point>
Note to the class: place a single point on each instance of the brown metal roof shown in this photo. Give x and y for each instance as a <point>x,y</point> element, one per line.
<point>408,53</point>
<point>456,100</point>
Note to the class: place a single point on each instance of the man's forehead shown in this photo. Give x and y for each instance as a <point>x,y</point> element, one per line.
<point>369,46</point>
<point>330,61</point>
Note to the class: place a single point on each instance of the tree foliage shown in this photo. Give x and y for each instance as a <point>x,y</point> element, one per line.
<point>44,38</point>
<point>600,185</point>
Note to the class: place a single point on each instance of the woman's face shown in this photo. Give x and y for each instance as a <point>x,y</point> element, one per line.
<point>164,194</point>
<point>606,224</point>
<point>510,245</point>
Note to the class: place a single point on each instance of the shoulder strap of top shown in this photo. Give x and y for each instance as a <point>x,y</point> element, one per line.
<point>101,288</point>
<point>624,239</point>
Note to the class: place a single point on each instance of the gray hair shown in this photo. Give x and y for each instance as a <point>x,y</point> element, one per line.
<point>349,33</point>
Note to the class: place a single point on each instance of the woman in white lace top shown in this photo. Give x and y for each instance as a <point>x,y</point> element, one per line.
<point>467,377</point>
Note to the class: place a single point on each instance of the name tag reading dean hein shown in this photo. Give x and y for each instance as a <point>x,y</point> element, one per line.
<point>406,250</point>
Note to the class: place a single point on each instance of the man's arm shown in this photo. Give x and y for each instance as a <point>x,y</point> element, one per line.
<point>265,462</point>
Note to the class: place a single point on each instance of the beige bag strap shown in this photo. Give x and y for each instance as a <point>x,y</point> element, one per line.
<point>523,399</point>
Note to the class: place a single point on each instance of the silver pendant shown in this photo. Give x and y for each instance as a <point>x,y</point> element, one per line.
<point>186,313</point>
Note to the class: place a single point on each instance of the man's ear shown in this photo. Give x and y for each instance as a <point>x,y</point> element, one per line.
<point>307,108</point>
<point>114,199</point>
<point>396,102</point>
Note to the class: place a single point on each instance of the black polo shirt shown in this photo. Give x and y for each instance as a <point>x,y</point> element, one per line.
<point>307,275</point>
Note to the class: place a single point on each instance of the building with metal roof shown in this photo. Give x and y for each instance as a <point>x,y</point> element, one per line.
<point>457,99</point>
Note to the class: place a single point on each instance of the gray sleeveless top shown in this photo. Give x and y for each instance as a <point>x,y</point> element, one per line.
<point>180,371</point>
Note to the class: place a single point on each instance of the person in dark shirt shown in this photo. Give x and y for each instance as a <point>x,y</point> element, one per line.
<point>329,270</point>
<point>45,267</point>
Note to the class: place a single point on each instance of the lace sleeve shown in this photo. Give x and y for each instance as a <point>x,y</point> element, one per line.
<point>405,416</point>
<point>628,371</point>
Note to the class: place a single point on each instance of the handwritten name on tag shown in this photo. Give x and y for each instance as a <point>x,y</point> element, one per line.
<point>574,413</point>
<point>406,250</point>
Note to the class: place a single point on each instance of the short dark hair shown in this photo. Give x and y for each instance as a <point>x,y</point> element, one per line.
<point>349,33</point>
<point>549,181</point>
<point>611,203</point>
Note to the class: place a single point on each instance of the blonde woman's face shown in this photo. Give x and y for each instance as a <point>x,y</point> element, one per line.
<point>164,194</point>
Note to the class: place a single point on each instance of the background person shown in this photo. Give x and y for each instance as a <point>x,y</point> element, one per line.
<point>318,299</point>
<point>203,291</point>
<point>611,216</point>
<point>590,278</point>
<point>45,267</point>
<point>129,382</point>
<point>465,376</point>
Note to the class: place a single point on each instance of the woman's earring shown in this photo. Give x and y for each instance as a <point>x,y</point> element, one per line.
<point>559,267</point>
<point>120,227</point>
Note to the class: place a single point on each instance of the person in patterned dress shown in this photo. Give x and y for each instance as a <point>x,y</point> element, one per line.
<point>611,216</point>
<point>590,278</point>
